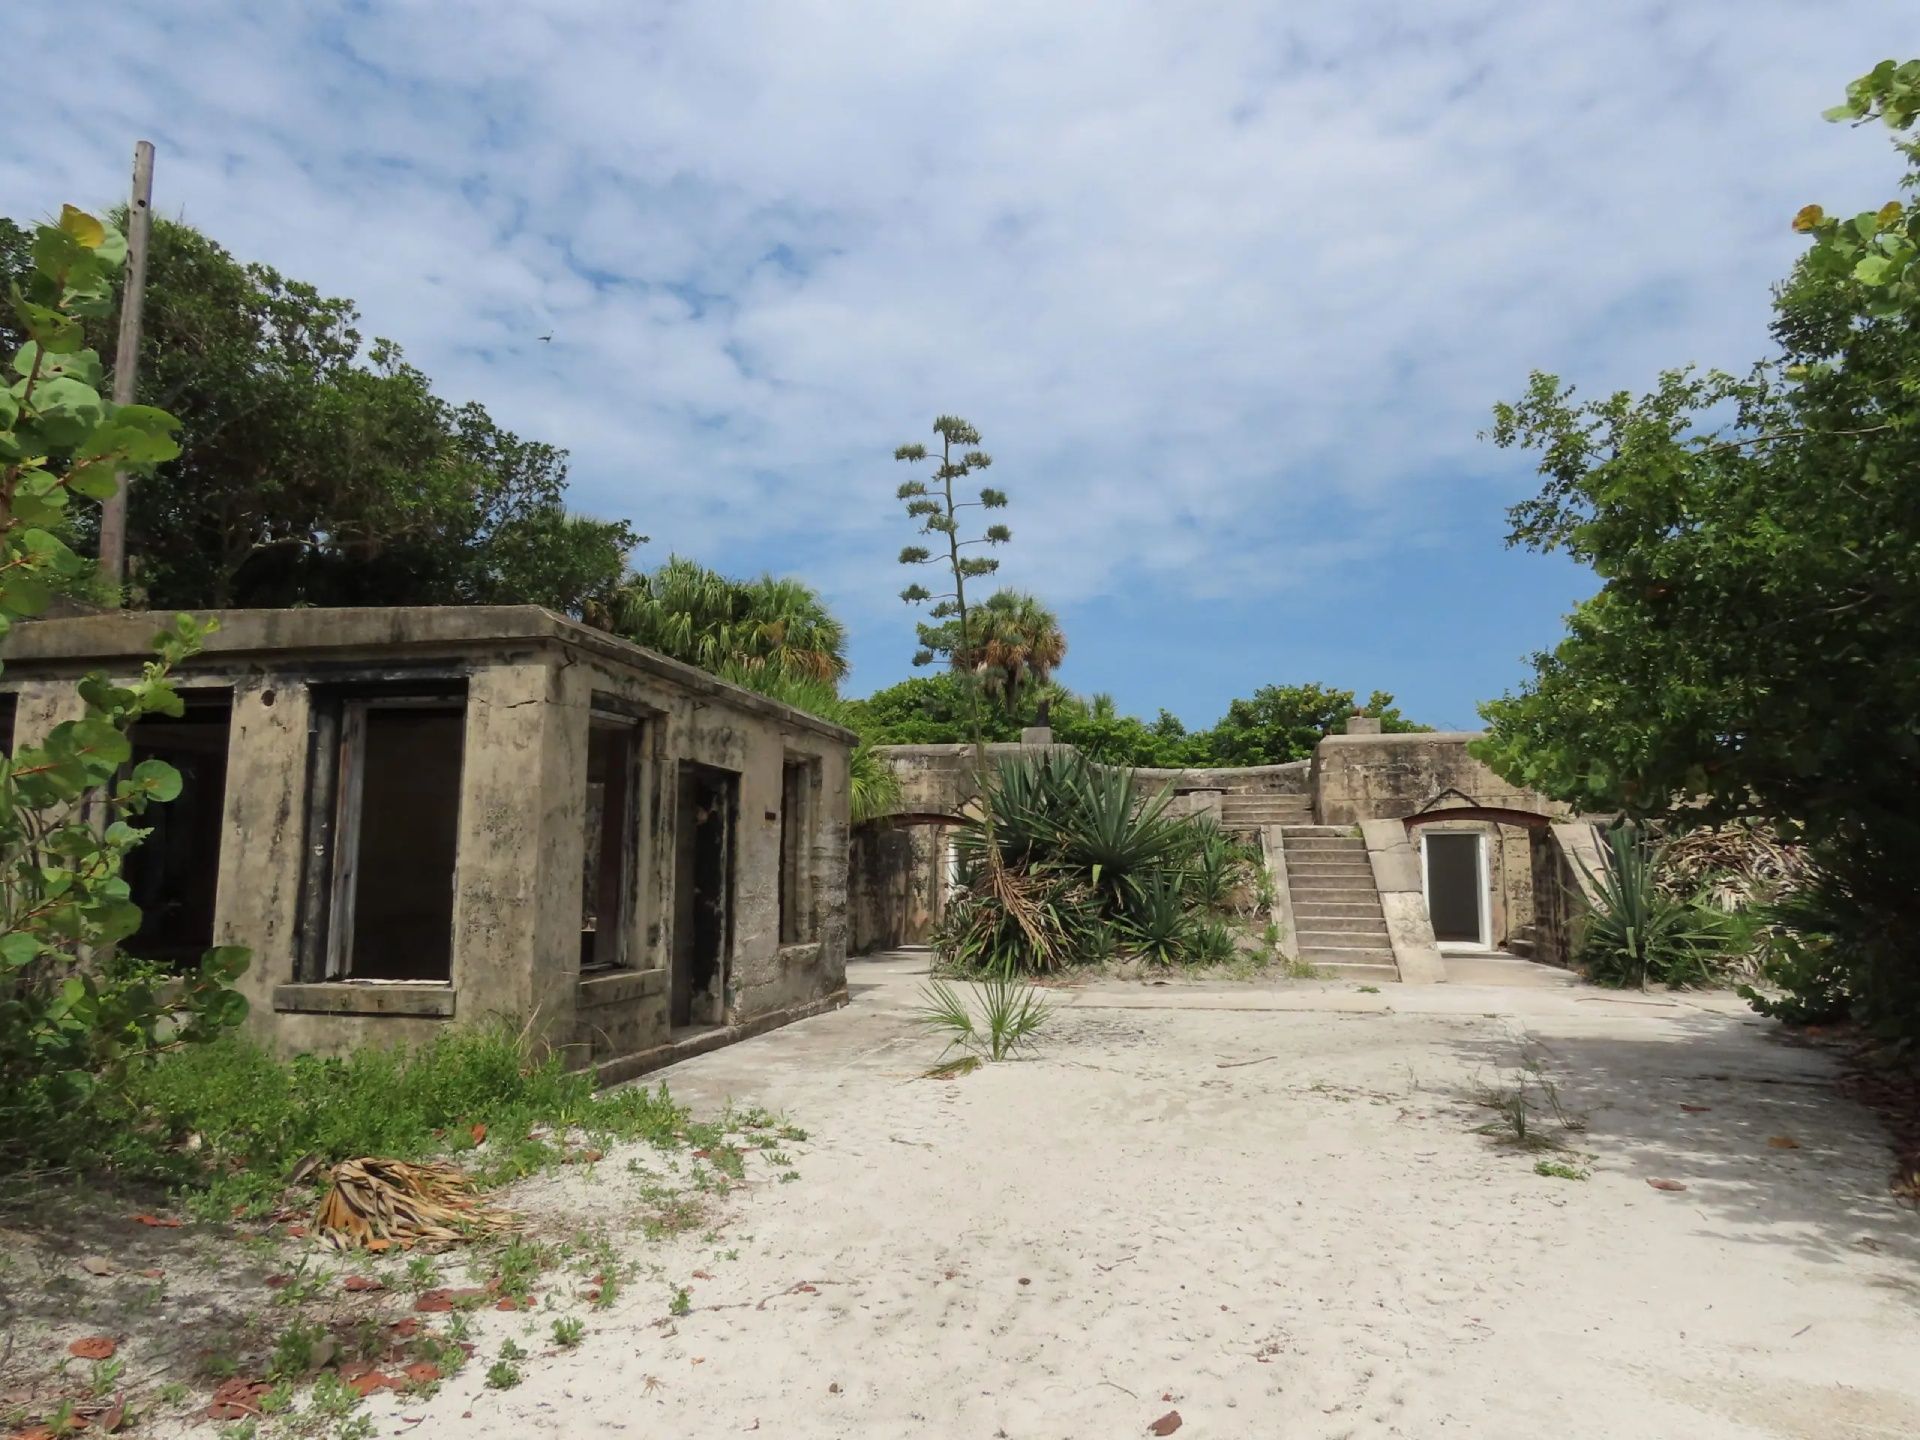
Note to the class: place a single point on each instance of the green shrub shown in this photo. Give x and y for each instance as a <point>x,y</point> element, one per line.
<point>1218,866</point>
<point>1071,865</point>
<point>1157,923</point>
<point>78,1018</point>
<point>1211,943</point>
<point>1636,934</point>
<point>1805,957</point>
<point>255,1116</point>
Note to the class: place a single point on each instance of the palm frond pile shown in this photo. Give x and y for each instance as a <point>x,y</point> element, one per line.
<point>377,1204</point>
<point>1732,866</point>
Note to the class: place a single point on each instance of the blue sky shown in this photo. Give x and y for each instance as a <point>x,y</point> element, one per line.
<point>1228,288</point>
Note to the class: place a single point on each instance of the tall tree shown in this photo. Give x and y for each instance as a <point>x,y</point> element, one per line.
<point>315,469</point>
<point>1754,648</point>
<point>937,506</point>
<point>698,615</point>
<point>1284,722</point>
<point>1017,639</point>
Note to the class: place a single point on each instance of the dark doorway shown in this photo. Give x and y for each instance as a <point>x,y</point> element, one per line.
<point>613,749</point>
<point>707,803</point>
<point>1454,895</point>
<point>799,779</point>
<point>398,837</point>
<point>173,875</point>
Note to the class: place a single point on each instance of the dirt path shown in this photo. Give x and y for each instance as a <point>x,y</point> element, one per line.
<point>1266,1209</point>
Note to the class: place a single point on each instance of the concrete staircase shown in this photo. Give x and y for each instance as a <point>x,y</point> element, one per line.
<point>1250,812</point>
<point>1336,907</point>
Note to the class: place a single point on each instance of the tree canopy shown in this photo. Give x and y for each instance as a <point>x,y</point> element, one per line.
<point>316,469</point>
<point>1278,724</point>
<point>698,615</point>
<point>1754,648</point>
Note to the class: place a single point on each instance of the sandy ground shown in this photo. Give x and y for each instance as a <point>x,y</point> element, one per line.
<point>1266,1208</point>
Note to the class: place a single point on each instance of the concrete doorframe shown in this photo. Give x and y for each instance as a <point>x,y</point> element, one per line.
<point>1482,883</point>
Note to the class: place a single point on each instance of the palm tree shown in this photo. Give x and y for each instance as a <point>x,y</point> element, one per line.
<point>1015,639</point>
<point>783,624</point>
<point>698,615</point>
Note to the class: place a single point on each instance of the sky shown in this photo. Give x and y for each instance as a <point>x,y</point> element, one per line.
<point>1229,289</point>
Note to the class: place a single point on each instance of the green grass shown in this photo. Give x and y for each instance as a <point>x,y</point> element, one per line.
<point>1559,1170</point>
<point>257,1116</point>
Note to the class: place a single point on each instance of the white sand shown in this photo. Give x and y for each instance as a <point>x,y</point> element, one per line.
<point>1314,1245</point>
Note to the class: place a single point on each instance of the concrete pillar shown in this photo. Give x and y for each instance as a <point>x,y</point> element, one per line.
<point>262,837</point>
<point>516,904</point>
<point>1363,725</point>
<point>1037,735</point>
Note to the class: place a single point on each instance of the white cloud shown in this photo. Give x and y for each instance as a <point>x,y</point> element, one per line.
<point>1198,271</point>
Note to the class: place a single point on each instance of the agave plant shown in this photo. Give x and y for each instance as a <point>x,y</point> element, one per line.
<point>1157,923</point>
<point>1637,933</point>
<point>1216,864</point>
<point>1113,838</point>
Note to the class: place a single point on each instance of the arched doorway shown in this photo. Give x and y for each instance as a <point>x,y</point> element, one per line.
<point>1477,870</point>
<point>899,872</point>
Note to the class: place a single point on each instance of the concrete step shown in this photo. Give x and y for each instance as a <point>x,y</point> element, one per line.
<point>1350,903</point>
<point>1342,932</point>
<point>1297,841</point>
<point>1330,886</point>
<point>1330,870</point>
<point>1348,955</point>
<point>1290,833</point>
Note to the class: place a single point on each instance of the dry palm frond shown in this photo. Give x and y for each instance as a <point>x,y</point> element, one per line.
<point>1732,866</point>
<point>380,1204</point>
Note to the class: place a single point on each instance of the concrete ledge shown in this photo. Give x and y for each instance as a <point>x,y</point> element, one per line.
<point>345,997</point>
<point>803,953</point>
<point>1403,900</point>
<point>616,986</point>
<point>1274,849</point>
<point>625,1067</point>
<point>59,647</point>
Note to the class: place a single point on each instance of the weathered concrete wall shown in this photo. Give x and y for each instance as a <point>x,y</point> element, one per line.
<point>1396,875</point>
<point>1384,777</point>
<point>532,682</point>
<point>939,779</point>
<point>896,885</point>
<point>1288,779</point>
<point>1562,889</point>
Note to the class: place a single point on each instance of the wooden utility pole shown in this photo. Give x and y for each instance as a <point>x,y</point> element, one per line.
<point>126,357</point>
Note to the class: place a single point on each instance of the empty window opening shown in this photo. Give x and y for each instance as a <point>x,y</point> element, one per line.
<point>606,906</point>
<point>707,804</point>
<point>396,835</point>
<point>1456,887</point>
<point>173,874</point>
<point>797,908</point>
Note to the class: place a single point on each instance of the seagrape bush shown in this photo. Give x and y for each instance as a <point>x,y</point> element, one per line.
<point>78,1015</point>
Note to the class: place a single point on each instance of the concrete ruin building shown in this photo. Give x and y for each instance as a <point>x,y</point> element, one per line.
<point>417,815</point>
<point>1395,857</point>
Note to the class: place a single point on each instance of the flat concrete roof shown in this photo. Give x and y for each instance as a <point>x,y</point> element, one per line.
<point>82,642</point>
